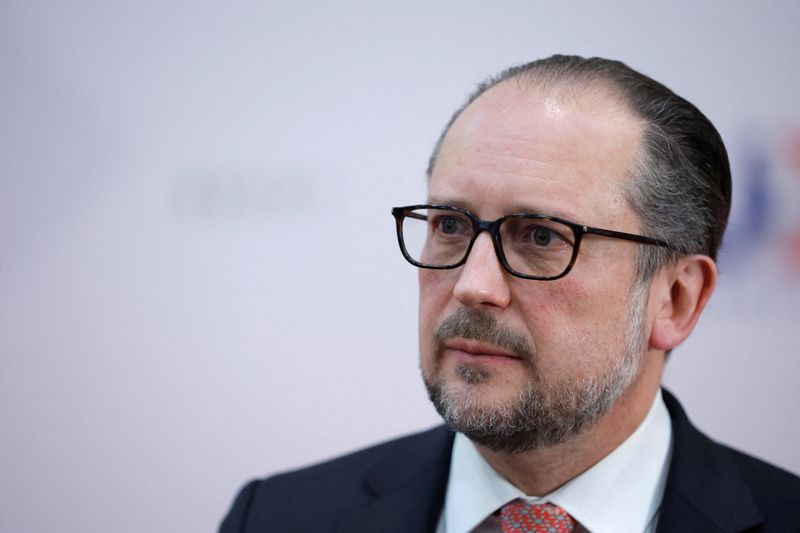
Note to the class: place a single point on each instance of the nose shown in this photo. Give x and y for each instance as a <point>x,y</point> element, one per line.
<point>483,280</point>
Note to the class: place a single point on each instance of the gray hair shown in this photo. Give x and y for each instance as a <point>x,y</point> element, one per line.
<point>681,181</point>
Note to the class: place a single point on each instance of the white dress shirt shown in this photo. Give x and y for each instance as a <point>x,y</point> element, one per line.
<point>620,494</point>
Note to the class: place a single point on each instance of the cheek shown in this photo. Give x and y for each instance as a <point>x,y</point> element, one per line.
<point>575,325</point>
<point>435,291</point>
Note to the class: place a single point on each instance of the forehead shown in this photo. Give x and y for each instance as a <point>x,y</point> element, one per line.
<point>516,148</point>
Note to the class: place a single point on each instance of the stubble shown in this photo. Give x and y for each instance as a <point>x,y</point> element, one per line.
<point>542,413</point>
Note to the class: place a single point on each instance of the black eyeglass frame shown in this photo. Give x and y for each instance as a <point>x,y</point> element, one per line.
<point>493,228</point>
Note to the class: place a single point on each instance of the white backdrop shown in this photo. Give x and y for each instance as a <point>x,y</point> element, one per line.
<point>199,280</point>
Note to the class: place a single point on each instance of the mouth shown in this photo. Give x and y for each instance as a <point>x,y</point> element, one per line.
<point>476,351</point>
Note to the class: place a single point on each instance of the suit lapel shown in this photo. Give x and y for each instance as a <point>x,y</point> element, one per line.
<point>705,491</point>
<point>405,492</point>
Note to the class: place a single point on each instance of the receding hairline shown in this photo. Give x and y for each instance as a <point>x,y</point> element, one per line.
<point>584,89</point>
<point>681,187</point>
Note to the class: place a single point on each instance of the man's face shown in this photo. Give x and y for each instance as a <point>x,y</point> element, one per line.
<point>518,364</point>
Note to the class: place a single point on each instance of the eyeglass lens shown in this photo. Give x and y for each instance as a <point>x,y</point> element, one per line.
<point>532,246</point>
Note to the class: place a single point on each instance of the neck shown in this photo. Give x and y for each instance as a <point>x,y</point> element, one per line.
<point>541,471</point>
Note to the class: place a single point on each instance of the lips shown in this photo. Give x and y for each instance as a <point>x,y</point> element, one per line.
<point>477,349</point>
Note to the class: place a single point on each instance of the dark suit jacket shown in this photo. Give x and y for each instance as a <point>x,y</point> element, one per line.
<point>399,486</point>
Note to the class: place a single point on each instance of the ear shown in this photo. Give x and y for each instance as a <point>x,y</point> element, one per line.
<point>679,293</point>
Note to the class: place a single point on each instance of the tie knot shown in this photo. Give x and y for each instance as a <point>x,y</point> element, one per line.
<point>519,516</point>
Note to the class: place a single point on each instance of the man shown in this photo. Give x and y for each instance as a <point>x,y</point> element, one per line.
<point>567,245</point>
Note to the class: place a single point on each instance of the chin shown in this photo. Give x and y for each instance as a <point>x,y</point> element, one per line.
<point>506,418</point>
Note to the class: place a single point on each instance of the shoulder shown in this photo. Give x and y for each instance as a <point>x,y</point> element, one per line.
<point>709,455</point>
<point>776,491</point>
<point>721,488</point>
<point>350,470</point>
<point>321,491</point>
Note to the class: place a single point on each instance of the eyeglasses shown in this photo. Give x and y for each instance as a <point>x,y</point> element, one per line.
<point>528,246</point>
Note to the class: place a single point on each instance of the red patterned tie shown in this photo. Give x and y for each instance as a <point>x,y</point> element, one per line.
<point>522,517</point>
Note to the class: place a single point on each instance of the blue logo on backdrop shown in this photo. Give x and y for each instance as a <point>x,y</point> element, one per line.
<point>757,234</point>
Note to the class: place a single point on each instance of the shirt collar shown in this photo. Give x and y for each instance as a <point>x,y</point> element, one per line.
<point>630,479</point>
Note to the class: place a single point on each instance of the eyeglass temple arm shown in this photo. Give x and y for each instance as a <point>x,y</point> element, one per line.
<point>626,236</point>
<point>418,216</point>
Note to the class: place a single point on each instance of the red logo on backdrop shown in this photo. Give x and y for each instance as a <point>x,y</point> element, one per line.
<point>792,240</point>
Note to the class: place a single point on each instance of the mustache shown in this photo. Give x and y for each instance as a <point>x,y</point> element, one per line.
<point>483,327</point>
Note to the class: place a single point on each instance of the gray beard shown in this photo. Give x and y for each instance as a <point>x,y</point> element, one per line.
<point>542,414</point>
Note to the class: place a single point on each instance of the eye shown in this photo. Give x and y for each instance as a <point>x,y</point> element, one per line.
<point>544,237</point>
<point>449,225</point>
<point>541,236</point>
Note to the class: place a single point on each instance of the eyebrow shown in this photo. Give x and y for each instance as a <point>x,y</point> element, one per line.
<point>513,208</point>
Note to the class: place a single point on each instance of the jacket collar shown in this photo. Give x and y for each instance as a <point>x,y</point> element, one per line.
<point>405,493</point>
<point>705,490</point>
